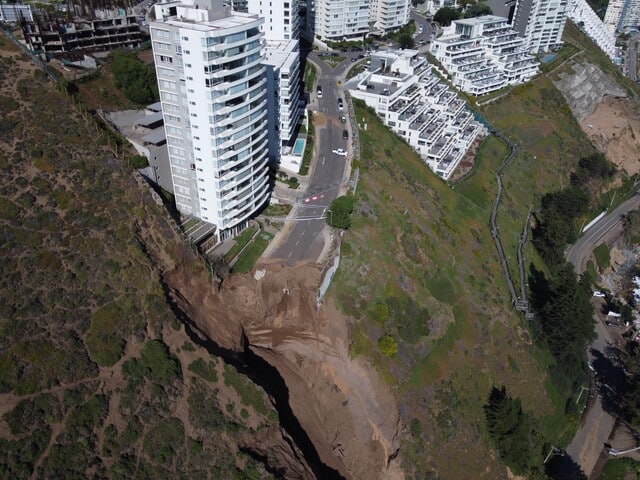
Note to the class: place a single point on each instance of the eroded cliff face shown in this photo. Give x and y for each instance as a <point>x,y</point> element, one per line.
<point>345,410</point>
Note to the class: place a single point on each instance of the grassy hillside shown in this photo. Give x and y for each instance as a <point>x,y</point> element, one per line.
<point>96,378</point>
<point>420,271</point>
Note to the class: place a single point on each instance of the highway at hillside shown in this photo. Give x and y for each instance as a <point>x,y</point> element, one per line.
<point>596,425</point>
<point>605,230</point>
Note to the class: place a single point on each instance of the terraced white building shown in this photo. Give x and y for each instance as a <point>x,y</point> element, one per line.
<point>484,54</point>
<point>419,107</point>
<point>212,82</point>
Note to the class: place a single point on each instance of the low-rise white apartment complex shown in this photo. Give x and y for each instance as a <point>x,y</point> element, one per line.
<point>484,54</point>
<point>419,107</point>
<point>584,16</point>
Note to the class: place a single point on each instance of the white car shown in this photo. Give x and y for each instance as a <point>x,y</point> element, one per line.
<point>598,294</point>
<point>340,151</point>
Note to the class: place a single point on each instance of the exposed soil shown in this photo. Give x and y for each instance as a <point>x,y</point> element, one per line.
<point>340,402</point>
<point>614,127</point>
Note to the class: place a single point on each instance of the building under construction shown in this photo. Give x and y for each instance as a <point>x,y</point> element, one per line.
<point>58,36</point>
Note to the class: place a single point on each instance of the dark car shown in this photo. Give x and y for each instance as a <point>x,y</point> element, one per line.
<point>345,134</point>
<point>611,324</point>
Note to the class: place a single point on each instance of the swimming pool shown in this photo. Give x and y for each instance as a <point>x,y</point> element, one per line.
<point>298,148</point>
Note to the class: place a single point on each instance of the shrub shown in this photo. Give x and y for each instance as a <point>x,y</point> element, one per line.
<point>138,161</point>
<point>339,213</point>
<point>388,346</point>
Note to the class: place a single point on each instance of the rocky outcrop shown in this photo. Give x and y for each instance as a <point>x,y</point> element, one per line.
<point>338,404</point>
<point>586,87</point>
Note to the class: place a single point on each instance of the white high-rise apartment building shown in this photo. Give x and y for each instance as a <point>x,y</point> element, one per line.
<point>336,20</point>
<point>281,19</point>
<point>584,16</point>
<point>211,76</point>
<point>614,12</point>
<point>387,15</point>
<point>623,15</point>
<point>281,30</point>
<point>541,23</point>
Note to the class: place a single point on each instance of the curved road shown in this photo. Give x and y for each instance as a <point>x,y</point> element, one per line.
<point>596,426</point>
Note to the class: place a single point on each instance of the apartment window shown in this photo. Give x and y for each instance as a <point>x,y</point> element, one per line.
<point>165,59</point>
<point>185,38</point>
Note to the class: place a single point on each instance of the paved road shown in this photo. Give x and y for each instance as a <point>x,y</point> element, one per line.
<point>596,425</point>
<point>304,240</point>
<point>428,28</point>
<point>605,230</point>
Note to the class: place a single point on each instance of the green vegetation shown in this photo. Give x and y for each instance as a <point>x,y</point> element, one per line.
<point>559,210</point>
<point>339,212</point>
<point>309,76</point>
<point>138,161</point>
<point>250,395</point>
<point>620,469</point>
<point>164,441</point>
<point>308,149</point>
<point>446,15</point>
<point>136,80</point>
<point>240,242</point>
<point>155,363</point>
<point>603,257</point>
<point>83,312</point>
<point>436,249</point>
<point>205,370</point>
<point>565,315</point>
<point>388,346</point>
<point>632,227</point>
<point>477,9</point>
<point>250,256</point>
<point>512,432</point>
<point>277,210</point>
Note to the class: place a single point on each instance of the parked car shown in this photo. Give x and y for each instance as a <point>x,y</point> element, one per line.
<point>611,324</point>
<point>340,151</point>
<point>340,104</point>
<point>343,119</point>
<point>319,91</point>
<point>345,134</point>
<point>598,294</point>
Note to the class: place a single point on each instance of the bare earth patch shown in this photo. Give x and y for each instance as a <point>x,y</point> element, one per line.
<point>614,127</point>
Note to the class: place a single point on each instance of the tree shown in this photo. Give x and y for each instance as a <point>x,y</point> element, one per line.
<point>565,315</point>
<point>477,10</point>
<point>388,345</point>
<point>406,41</point>
<point>136,80</point>
<point>510,429</point>
<point>446,15</point>
<point>339,213</point>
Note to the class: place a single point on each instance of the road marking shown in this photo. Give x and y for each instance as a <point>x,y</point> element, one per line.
<point>289,254</point>
<point>303,232</point>
<point>297,243</point>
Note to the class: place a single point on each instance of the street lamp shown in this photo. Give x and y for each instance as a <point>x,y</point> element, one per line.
<point>330,216</point>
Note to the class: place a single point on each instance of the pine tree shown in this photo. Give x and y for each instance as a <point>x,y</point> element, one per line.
<point>510,429</point>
